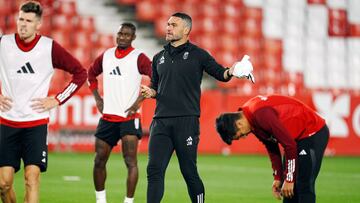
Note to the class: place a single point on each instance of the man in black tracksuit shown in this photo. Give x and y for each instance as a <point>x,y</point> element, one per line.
<point>177,75</point>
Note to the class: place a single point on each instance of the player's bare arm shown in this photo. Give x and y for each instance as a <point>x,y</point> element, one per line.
<point>133,108</point>
<point>5,103</point>
<point>99,100</point>
<point>44,104</point>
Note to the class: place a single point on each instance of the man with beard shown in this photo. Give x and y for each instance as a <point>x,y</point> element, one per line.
<point>177,74</point>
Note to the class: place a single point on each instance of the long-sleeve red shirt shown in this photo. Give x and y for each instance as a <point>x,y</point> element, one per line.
<point>279,119</point>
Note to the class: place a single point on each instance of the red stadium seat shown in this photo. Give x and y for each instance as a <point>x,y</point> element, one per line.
<point>5,8</point>
<point>232,10</point>
<point>57,81</point>
<point>46,26</point>
<point>253,13</point>
<point>160,26</point>
<point>2,23</point>
<point>11,22</point>
<point>229,43</point>
<point>210,10</point>
<point>209,25</point>
<point>190,8</point>
<point>62,22</point>
<point>146,10</point>
<point>65,7</point>
<point>273,61</point>
<point>232,26</point>
<point>225,58</point>
<point>44,3</point>
<point>83,55</point>
<point>62,37</point>
<point>244,87</point>
<point>207,42</point>
<point>167,8</point>
<point>127,2</point>
<point>354,30</point>
<point>272,46</point>
<point>85,23</point>
<point>252,27</point>
<point>97,51</point>
<point>251,43</point>
<point>82,39</point>
<point>105,40</point>
<point>316,2</point>
<point>338,25</point>
<point>193,2</point>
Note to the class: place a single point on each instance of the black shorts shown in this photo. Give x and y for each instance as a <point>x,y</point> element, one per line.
<point>112,132</point>
<point>28,144</point>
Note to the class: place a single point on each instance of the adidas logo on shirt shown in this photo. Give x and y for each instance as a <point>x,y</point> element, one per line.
<point>27,69</point>
<point>303,152</point>
<point>116,71</point>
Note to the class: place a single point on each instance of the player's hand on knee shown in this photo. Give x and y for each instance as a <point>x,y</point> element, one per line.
<point>276,189</point>
<point>287,189</point>
<point>5,103</point>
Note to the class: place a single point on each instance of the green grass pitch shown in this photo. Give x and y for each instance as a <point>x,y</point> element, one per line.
<point>227,179</point>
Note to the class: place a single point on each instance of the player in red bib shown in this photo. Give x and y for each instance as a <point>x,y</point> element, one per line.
<point>27,62</point>
<point>296,127</point>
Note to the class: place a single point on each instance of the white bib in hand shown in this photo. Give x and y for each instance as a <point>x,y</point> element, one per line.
<point>244,68</point>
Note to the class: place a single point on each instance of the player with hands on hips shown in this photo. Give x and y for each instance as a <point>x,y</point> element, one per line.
<point>122,68</point>
<point>27,62</point>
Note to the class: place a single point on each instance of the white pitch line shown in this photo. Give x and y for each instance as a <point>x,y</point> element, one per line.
<point>71,178</point>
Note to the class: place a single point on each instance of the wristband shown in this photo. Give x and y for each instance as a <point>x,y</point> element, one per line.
<point>228,73</point>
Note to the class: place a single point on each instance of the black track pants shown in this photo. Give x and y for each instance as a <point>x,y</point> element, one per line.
<point>166,135</point>
<point>310,154</point>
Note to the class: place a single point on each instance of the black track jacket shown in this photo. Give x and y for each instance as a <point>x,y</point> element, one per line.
<point>177,75</point>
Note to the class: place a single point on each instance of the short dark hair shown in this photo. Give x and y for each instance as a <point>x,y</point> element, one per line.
<point>129,25</point>
<point>226,127</point>
<point>185,17</point>
<point>32,7</point>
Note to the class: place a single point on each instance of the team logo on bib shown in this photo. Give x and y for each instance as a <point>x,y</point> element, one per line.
<point>27,69</point>
<point>115,71</point>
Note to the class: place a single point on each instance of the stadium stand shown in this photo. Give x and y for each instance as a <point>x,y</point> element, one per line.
<point>297,47</point>
<point>308,43</point>
<point>316,40</point>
